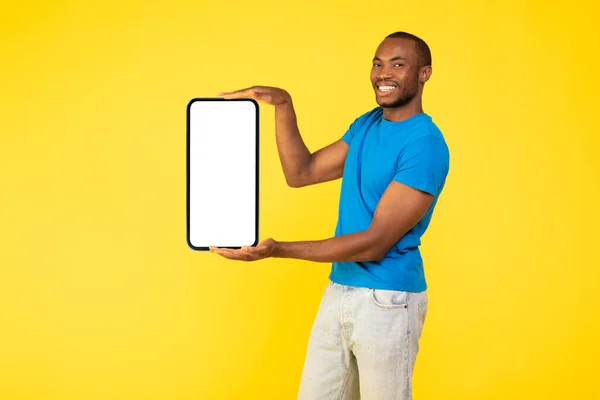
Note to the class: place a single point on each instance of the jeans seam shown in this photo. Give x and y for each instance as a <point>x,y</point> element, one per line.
<point>409,349</point>
<point>345,341</point>
<point>345,334</point>
<point>345,385</point>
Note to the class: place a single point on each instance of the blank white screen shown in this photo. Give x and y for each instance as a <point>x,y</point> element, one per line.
<point>222,173</point>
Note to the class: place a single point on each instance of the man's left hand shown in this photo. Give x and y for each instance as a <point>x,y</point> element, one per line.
<point>264,249</point>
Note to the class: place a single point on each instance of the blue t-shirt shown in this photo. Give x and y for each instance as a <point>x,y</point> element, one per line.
<point>412,152</point>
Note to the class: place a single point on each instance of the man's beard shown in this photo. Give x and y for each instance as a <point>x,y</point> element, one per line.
<point>405,98</point>
<point>407,94</point>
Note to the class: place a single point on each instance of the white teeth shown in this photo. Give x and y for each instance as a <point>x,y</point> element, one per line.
<point>386,88</point>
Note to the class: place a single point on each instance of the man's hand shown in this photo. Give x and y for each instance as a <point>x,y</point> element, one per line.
<point>266,94</point>
<point>264,249</point>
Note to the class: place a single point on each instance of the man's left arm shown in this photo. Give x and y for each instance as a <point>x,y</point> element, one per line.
<point>418,177</point>
<point>398,210</point>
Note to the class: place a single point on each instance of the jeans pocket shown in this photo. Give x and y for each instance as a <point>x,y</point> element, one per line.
<point>390,299</point>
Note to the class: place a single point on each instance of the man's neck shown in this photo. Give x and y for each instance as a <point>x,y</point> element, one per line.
<point>402,113</point>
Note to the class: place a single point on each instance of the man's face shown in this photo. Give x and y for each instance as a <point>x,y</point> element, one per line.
<point>395,72</point>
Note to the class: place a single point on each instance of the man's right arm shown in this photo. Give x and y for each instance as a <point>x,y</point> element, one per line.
<point>300,167</point>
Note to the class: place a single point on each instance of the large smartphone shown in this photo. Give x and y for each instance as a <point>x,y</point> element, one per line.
<point>222,173</point>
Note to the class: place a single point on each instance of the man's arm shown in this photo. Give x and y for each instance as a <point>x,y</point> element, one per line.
<point>300,167</point>
<point>420,174</point>
<point>399,209</point>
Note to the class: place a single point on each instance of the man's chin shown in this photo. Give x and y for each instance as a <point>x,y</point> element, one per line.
<point>386,103</point>
<point>394,102</point>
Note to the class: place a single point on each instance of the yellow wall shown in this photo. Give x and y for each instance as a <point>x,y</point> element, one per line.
<point>100,297</point>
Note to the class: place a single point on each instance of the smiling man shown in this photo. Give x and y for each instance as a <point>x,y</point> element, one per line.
<point>393,161</point>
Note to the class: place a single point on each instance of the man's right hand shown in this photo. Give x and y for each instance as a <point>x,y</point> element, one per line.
<point>266,94</point>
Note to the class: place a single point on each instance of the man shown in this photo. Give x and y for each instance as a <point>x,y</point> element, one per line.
<point>394,162</point>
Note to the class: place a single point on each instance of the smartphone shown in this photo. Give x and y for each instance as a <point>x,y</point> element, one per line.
<point>222,173</point>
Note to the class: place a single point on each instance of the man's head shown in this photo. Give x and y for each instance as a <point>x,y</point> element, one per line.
<point>401,66</point>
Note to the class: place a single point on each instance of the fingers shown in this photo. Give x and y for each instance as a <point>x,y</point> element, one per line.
<point>253,92</point>
<point>241,254</point>
<point>227,254</point>
<point>245,253</point>
<point>237,94</point>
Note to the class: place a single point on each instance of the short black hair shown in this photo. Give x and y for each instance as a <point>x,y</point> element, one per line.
<point>423,52</point>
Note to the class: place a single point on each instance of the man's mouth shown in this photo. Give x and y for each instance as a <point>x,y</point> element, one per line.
<point>386,89</point>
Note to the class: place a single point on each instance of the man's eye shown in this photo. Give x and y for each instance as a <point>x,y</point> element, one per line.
<point>398,65</point>
<point>376,65</point>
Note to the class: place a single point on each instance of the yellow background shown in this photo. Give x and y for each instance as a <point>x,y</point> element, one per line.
<point>100,297</point>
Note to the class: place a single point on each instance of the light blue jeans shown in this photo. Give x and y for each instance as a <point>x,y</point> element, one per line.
<point>363,344</point>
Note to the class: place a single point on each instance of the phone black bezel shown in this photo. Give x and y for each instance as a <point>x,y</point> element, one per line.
<point>256,225</point>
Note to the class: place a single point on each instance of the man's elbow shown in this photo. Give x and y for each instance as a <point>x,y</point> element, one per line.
<point>295,183</point>
<point>299,180</point>
<point>369,255</point>
<point>301,177</point>
<point>378,246</point>
<point>375,252</point>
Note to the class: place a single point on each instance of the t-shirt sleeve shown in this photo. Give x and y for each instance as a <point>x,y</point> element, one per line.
<point>424,164</point>
<point>349,135</point>
<point>355,126</point>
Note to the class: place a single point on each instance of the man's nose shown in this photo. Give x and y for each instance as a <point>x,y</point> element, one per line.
<point>385,73</point>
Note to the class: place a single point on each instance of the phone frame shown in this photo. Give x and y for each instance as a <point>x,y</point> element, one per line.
<point>188,159</point>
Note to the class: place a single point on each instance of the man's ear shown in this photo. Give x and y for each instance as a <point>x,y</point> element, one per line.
<point>425,74</point>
